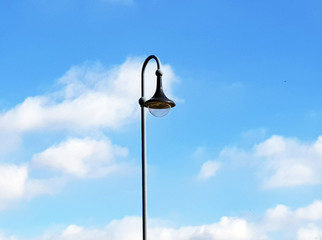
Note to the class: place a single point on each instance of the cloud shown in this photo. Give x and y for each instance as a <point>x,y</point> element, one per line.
<point>279,222</point>
<point>227,228</point>
<point>309,232</point>
<point>16,184</point>
<point>12,181</point>
<point>81,157</point>
<point>75,157</point>
<point>281,161</point>
<point>291,162</point>
<point>311,212</point>
<point>130,228</point>
<point>305,222</point>
<point>91,96</point>
<point>208,170</point>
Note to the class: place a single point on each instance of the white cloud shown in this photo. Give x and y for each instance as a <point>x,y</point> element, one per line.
<point>291,162</point>
<point>311,212</point>
<point>283,219</point>
<point>278,223</point>
<point>282,162</point>
<point>208,169</point>
<point>92,96</point>
<point>16,184</point>
<point>72,230</point>
<point>292,175</point>
<point>12,181</point>
<point>82,157</point>
<point>227,228</point>
<point>130,228</point>
<point>278,218</point>
<point>274,146</point>
<point>310,232</point>
<point>78,157</point>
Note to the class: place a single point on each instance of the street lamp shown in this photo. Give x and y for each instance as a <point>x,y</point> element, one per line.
<point>159,105</point>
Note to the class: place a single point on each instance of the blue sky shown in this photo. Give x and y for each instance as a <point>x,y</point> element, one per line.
<point>238,158</point>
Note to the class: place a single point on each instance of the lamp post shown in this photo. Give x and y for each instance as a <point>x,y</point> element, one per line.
<point>159,105</point>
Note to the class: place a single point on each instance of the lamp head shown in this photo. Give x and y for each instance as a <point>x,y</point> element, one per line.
<point>159,105</point>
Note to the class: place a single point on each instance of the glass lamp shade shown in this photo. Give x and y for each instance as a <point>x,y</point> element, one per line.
<point>159,112</point>
<point>159,105</point>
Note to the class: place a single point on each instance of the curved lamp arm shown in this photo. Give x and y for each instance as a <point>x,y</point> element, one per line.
<point>143,69</point>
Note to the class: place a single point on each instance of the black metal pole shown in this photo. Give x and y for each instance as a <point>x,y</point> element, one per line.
<point>143,138</point>
<point>144,185</point>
